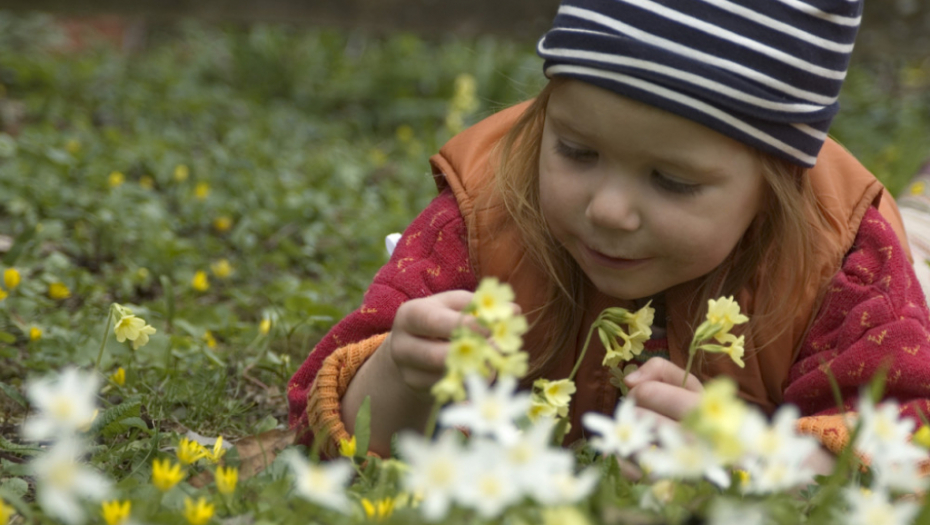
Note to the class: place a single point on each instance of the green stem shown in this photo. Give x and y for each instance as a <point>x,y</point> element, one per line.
<point>106,337</point>
<point>584,349</point>
<point>691,351</point>
<point>431,422</point>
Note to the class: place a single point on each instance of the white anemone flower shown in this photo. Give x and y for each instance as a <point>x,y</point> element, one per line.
<point>323,484</point>
<point>568,488</point>
<point>436,470</point>
<point>62,482</point>
<point>625,434</point>
<point>769,475</point>
<point>66,405</point>
<point>874,507</point>
<point>681,458</point>
<point>490,411</point>
<point>902,474</point>
<point>883,433</point>
<point>533,462</point>
<point>487,485</point>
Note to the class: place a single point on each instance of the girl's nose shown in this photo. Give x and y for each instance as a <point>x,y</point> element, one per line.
<point>615,207</point>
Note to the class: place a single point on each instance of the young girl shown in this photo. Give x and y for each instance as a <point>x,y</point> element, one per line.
<point>678,153</point>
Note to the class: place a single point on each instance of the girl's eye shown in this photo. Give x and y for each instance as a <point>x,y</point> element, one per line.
<point>674,186</point>
<point>576,154</point>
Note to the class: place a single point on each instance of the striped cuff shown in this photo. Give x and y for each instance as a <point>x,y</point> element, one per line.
<point>324,410</point>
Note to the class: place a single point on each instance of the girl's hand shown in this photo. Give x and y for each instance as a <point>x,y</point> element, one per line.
<point>656,387</point>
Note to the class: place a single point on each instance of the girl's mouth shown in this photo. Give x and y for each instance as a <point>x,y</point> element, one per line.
<point>618,263</point>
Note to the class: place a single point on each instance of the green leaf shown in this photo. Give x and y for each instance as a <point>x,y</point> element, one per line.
<point>14,394</point>
<point>18,245</point>
<point>117,413</point>
<point>363,428</point>
<point>123,425</point>
<point>21,450</point>
<point>7,337</point>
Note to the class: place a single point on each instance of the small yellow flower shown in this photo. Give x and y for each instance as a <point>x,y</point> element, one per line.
<point>115,512</point>
<point>199,513</point>
<point>11,278</point>
<point>507,334</point>
<point>6,512</point>
<point>166,474</point>
<point>540,409</point>
<point>724,313</point>
<point>404,133</point>
<point>3,294</point>
<point>449,388</point>
<point>467,352</point>
<point>58,291</point>
<point>378,510</point>
<point>558,393</point>
<point>218,451</point>
<point>743,476</point>
<point>265,326</point>
<point>119,377</point>
<point>128,327</point>
<point>201,191</point>
<point>147,182</point>
<point>189,452</point>
<point>492,300</point>
<point>226,479</point>
<point>222,223</point>
<point>922,437</point>
<point>73,146</point>
<point>181,172</point>
<point>116,179</point>
<point>143,338</point>
<point>209,339</point>
<point>221,268</point>
<point>200,282</point>
<point>347,447</point>
<point>35,333</point>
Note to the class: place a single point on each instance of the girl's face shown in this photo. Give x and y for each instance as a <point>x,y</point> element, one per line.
<point>641,198</point>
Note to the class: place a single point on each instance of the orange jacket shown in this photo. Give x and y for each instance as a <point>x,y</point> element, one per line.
<point>845,190</point>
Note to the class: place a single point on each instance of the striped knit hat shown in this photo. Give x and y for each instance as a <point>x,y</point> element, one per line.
<point>764,72</point>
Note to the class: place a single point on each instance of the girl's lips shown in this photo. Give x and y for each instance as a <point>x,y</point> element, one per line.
<point>613,262</point>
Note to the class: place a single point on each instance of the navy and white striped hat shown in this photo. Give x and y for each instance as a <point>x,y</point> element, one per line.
<point>764,72</point>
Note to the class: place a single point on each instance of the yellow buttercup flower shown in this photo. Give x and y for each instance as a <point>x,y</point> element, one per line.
<point>378,510</point>
<point>119,377</point>
<point>181,172</point>
<point>226,479</point>
<point>35,333</point>
<point>265,326</point>
<point>190,451</point>
<point>11,278</point>
<point>209,339</point>
<point>147,182</point>
<point>166,474</point>
<point>221,268</point>
<point>347,447</point>
<point>58,291</point>
<point>222,223</point>
<point>115,512</point>
<point>200,282</point>
<point>198,513</point>
<point>217,452</point>
<point>3,294</point>
<point>116,179</point>
<point>6,512</point>
<point>202,191</point>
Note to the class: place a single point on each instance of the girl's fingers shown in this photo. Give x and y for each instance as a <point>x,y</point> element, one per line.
<point>663,371</point>
<point>409,352</point>
<point>670,401</point>
<point>433,317</point>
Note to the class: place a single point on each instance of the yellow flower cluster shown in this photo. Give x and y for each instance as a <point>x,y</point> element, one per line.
<point>718,418</point>
<point>472,352</point>
<point>623,345</point>
<point>131,328</point>
<point>722,315</point>
<point>191,451</point>
<point>550,398</point>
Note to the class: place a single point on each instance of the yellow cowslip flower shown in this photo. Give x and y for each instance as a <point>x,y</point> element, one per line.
<point>115,512</point>
<point>723,314</point>
<point>223,223</point>
<point>449,388</point>
<point>190,451</point>
<point>492,300</point>
<point>221,268</point>
<point>11,278</point>
<point>116,179</point>
<point>181,173</point>
<point>119,377</point>
<point>58,291</point>
<point>539,409</point>
<point>209,339</point>
<point>507,334</point>
<point>468,352</point>
<point>226,479</point>
<point>198,513</point>
<point>218,451</point>
<point>200,282</point>
<point>147,182</point>
<point>201,191</point>
<point>922,437</point>
<point>166,474</point>
<point>143,338</point>
<point>515,364</point>
<point>6,512</point>
<point>557,393</point>
<point>128,327</point>
<point>348,447</point>
<point>378,510</point>
<point>73,146</point>
<point>265,326</point>
<point>35,333</point>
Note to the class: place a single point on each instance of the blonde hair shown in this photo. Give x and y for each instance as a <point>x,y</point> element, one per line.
<point>788,211</point>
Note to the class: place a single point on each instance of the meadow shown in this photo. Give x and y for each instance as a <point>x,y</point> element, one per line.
<point>232,187</point>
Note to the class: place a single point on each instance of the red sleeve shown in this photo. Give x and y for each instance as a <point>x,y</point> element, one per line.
<point>874,315</point>
<point>430,257</point>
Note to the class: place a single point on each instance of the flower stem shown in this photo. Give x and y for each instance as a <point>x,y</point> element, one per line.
<point>106,337</point>
<point>584,349</point>
<point>433,418</point>
<point>691,351</point>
